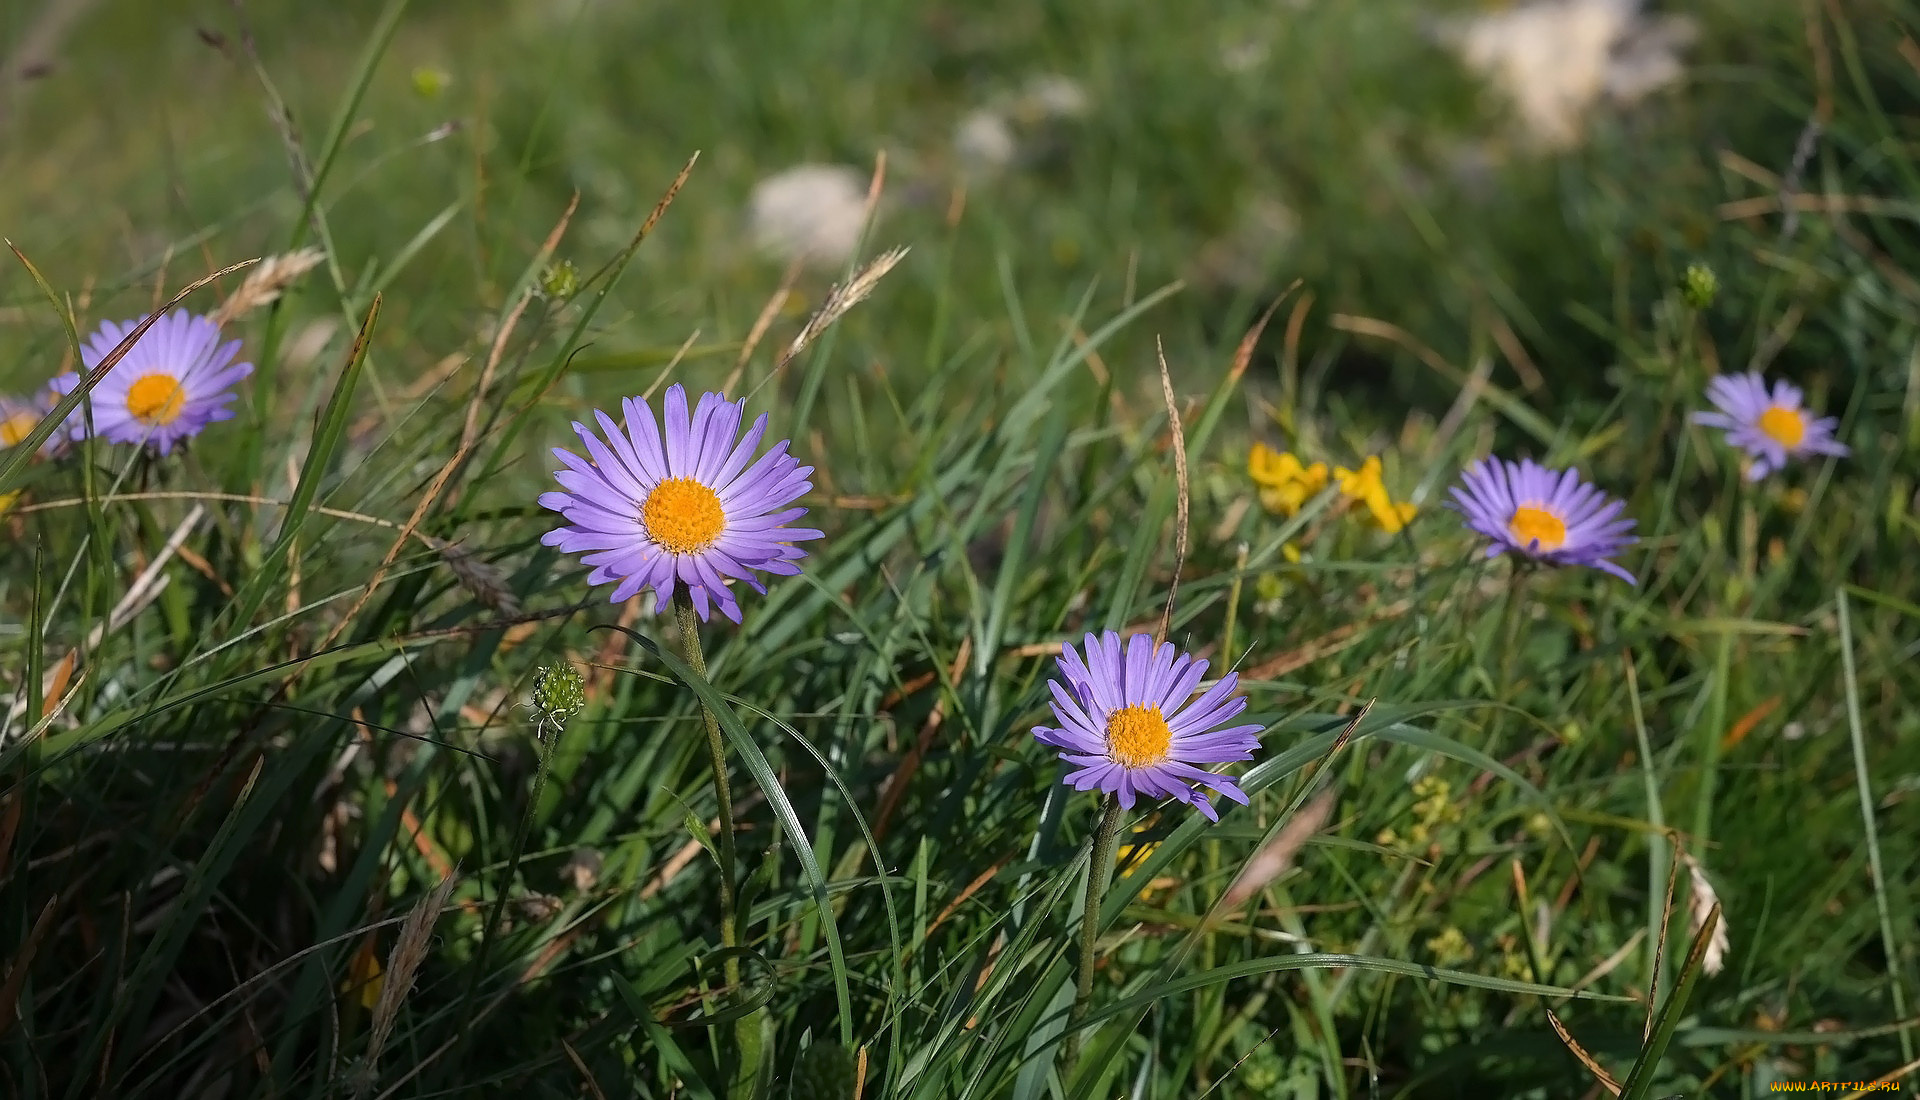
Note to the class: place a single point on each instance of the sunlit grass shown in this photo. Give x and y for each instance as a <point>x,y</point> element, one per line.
<point>263,697</point>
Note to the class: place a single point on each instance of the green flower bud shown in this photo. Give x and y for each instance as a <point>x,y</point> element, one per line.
<point>559,691</point>
<point>560,281</point>
<point>1699,286</point>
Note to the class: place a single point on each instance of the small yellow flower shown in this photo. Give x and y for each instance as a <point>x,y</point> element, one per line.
<point>8,500</point>
<point>429,82</point>
<point>1435,805</point>
<point>1513,961</point>
<point>1450,947</point>
<point>1285,484</point>
<point>364,975</point>
<point>1132,855</point>
<point>1365,487</point>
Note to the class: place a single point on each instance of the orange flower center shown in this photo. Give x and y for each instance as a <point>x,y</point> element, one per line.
<point>683,516</point>
<point>1137,737</point>
<point>15,428</point>
<point>156,399</point>
<point>1530,524</point>
<point>1787,426</point>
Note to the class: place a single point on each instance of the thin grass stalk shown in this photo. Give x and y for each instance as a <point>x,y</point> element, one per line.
<point>1896,987</point>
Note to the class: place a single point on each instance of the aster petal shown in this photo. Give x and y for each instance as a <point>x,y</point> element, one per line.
<point>645,434</point>
<point>1134,687</point>
<point>678,430</point>
<point>1219,747</point>
<point>723,478</point>
<point>1182,678</point>
<point>1072,714</point>
<point>629,459</point>
<point>721,428</point>
<point>612,470</point>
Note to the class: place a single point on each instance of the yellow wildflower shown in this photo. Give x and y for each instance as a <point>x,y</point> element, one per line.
<point>364,975</point>
<point>1285,484</point>
<point>1365,487</point>
<point>1132,855</point>
<point>1435,805</point>
<point>7,500</point>
<point>1450,947</point>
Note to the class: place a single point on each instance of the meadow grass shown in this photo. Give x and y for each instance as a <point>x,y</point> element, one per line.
<point>282,816</point>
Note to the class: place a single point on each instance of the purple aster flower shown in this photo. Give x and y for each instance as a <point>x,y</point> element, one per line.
<point>688,509</point>
<point>19,416</point>
<point>1770,427</point>
<point>178,379</point>
<point>1129,724</point>
<point>1549,515</point>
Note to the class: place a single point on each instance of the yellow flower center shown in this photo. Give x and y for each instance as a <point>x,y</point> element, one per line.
<point>1787,426</point>
<point>1530,525</point>
<point>15,428</point>
<point>1137,737</point>
<point>683,516</point>
<point>156,399</point>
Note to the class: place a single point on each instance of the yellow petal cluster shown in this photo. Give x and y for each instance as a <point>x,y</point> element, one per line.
<point>1285,483</point>
<point>1365,487</point>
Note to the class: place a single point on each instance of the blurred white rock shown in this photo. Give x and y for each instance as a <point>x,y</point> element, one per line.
<point>1052,95</point>
<point>1555,59</point>
<point>1020,127</point>
<point>984,142</point>
<point>1264,228</point>
<point>810,212</point>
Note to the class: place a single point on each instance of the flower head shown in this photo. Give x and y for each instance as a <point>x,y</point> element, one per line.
<point>1549,515</point>
<point>1129,723</point>
<point>692,507</point>
<point>1770,426</point>
<point>178,379</point>
<point>1366,487</point>
<point>1285,485</point>
<point>19,416</point>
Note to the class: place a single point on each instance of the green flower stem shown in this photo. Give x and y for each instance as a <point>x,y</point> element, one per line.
<point>1509,642</point>
<point>1099,875</point>
<point>1711,730</point>
<point>513,868</point>
<point>747,1029</point>
<point>689,623</point>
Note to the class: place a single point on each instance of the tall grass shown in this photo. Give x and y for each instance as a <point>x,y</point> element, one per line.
<point>275,820</point>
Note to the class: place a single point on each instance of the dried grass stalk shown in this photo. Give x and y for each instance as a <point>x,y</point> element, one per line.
<point>266,282</point>
<point>482,579</point>
<point>403,964</point>
<point>1701,899</point>
<point>840,299</point>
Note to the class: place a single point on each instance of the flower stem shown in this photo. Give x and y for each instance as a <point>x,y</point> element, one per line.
<point>747,1028</point>
<point>1509,635</point>
<point>513,869</point>
<point>1099,875</point>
